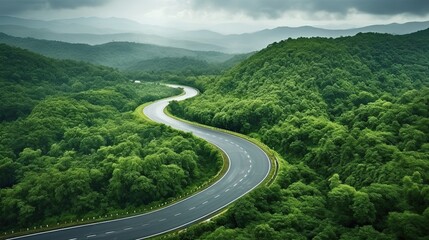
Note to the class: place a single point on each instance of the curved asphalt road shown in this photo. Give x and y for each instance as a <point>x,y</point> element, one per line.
<point>249,166</point>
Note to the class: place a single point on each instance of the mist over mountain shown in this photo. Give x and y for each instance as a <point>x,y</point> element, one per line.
<point>114,54</point>
<point>93,30</point>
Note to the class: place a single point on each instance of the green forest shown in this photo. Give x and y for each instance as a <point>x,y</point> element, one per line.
<point>349,116</point>
<point>72,147</point>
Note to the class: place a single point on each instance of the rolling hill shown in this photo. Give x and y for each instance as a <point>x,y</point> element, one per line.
<point>350,116</point>
<point>121,55</point>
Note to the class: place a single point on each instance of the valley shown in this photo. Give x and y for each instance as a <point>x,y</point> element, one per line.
<point>117,128</point>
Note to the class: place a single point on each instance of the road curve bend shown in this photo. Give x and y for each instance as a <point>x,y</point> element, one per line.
<point>248,167</point>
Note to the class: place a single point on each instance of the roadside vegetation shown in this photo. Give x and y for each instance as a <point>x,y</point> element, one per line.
<point>351,118</point>
<point>71,146</point>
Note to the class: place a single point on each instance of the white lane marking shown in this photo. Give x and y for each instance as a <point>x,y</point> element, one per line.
<point>90,236</point>
<point>235,184</point>
<point>144,225</point>
<point>110,232</point>
<point>217,196</point>
<point>162,220</point>
<point>248,171</point>
<point>227,190</point>
<point>192,208</point>
<point>248,156</point>
<point>241,180</point>
<point>73,239</point>
<point>177,214</point>
<point>250,165</point>
<point>128,228</point>
<point>205,202</point>
<point>245,175</point>
<point>250,162</point>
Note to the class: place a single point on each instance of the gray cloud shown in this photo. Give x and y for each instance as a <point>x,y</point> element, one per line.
<point>17,6</point>
<point>276,8</point>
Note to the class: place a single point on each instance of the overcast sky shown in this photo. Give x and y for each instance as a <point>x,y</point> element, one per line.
<point>228,15</point>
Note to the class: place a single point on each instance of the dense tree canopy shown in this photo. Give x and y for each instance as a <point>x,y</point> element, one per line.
<point>71,147</point>
<point>350,116</point>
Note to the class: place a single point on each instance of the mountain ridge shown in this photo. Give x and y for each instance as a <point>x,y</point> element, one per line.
<point>113,54</point>
<point>196,40</point>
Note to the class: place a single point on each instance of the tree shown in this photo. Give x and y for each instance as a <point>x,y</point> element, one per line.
<point>341,201</point>
<point>363,209</point>
<point>265,232</point>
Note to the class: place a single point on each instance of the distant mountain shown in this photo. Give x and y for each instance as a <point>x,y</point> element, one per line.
<point>94,39</point>
<point>103,30</point>
<point>255,41</point>
<point>93,25</point>
<point>248,42</point>
<point>115,54</point>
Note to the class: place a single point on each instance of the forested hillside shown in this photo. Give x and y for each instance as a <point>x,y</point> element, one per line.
<point>351,118</point>
<point>71,146</point>
<point>122,55</point>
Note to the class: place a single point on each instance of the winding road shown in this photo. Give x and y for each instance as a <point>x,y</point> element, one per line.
<point>248,167</point>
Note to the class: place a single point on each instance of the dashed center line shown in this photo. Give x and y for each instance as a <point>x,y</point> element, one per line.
<point>162,220</point>
<point>90,236</point>
<point>248,171</point>
<point>245,175</point>
<point>205,202</point>
<point>235,184</point>
<point>217,196</point>
<point>110,232</point>
<point>177,214</point>
<point>73,239</point>
<point>241,180</point>
<point>192,208</point>
<point>227,190</point>
<point>128,228</point>
<point>144,225</point>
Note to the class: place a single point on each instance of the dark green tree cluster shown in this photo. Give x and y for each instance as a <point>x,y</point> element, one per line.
<point>351,117</point>
<point>73,152</point>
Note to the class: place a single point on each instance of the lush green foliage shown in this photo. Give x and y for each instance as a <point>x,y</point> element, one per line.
<point>351,116</point>
<point>184,65</point>
<point>70,146</point>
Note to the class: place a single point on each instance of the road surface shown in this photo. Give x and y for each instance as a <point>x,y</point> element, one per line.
<point>248,167</point>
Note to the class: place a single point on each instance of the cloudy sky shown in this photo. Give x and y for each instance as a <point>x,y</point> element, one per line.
<point>228,15</point>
